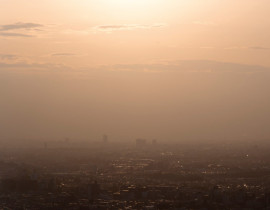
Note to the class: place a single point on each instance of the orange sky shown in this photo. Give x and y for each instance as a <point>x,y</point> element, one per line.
<point>96,32</point>
<point>165,69</point>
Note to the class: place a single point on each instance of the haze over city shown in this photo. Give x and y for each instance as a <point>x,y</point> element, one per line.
<point>172,70</point>
<point>134,104</point>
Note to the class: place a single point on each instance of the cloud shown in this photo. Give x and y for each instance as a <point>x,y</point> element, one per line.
<point>259,48</point>
<point>246,48</point>
<point>171,67</point>
<point>191,66</point>
<point>62,54</point>
<point>34,67</point>
<point>8,56</point>
<point>19,29</point>
<point>65,54</point>
<point>24,65</point>
<point>14,34</point>
<point>17,26</point>
<point>113,28</point>
<point>126,27</point>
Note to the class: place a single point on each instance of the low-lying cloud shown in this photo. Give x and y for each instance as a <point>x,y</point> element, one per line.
<point>259,48</point>
<point>127,27</point>
<point>63,54</point>
<point>16,26</point>
<point>8,56</point>
<point>206,66</point>
<point>185,66</point>
<point>19,29</point>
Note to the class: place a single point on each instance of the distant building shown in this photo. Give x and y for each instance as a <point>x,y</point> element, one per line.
<point>105,139</point>
<point>45,145</point>
<point>93,191</point>
<point>140,143</point>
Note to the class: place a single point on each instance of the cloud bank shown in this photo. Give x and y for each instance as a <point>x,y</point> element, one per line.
<point>19,29</point>
<point>127,27</point>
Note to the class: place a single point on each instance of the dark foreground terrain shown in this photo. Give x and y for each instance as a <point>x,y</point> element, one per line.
<point>65,175</point>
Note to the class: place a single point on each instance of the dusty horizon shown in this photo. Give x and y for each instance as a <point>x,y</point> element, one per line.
<point>156,69</point>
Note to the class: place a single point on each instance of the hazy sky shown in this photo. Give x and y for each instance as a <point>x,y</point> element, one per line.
<point>169,69</point>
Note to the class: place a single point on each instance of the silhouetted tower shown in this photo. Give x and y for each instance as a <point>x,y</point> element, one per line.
<point>93,191</point>
<point>105,139</point>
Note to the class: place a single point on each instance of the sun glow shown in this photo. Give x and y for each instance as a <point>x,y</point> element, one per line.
<point>130,4</point>
<point>132,8</point>
<point>134,11</point>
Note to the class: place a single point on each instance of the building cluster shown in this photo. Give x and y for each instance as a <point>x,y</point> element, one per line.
<point>143,176</point>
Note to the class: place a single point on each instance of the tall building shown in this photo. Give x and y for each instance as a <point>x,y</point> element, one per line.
<point>105,139</point>
<point>93,191</point>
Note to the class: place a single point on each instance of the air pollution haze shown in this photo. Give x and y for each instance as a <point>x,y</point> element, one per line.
<point>175,70</point>
<point>134,104</point>
<point>173,101</point>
